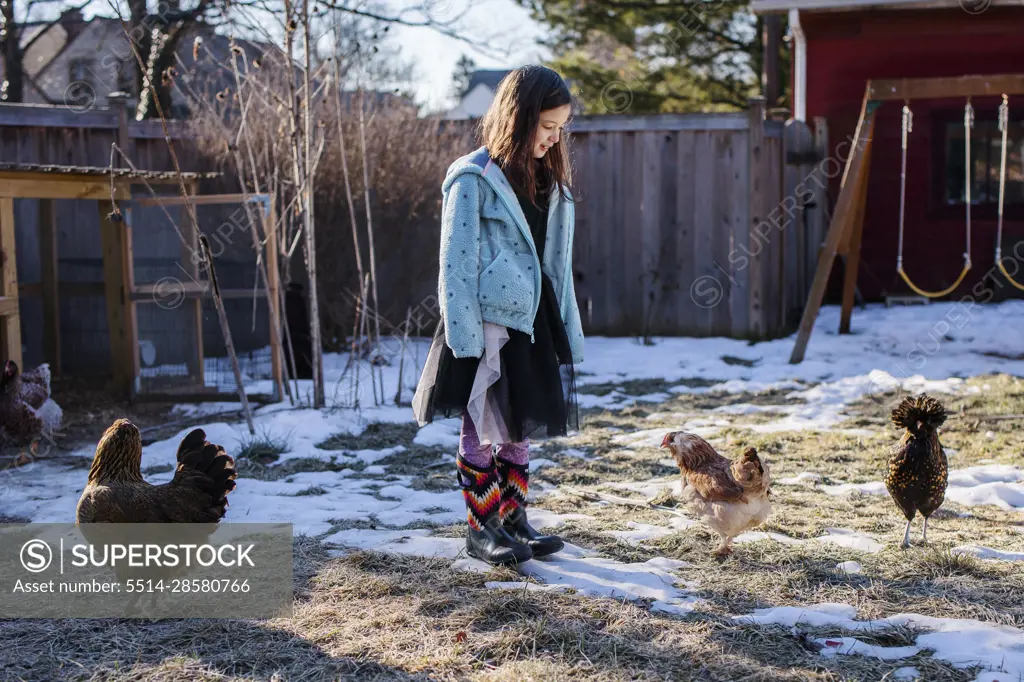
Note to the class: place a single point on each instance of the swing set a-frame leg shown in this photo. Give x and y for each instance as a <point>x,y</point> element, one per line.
<point>847,220</point>
<point>850,248</point>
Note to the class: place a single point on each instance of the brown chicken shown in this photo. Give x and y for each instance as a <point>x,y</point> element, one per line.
<point>117,493</point>
<point>731,496</point>
<point>20,421</point>
<point>918,469</point>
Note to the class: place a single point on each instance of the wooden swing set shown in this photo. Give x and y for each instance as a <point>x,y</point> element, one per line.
<point>846,230</point>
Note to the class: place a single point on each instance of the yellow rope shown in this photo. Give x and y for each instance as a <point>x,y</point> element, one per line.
<point>1004,124</point>
<point>1007,275</point>
<point>937,294</point>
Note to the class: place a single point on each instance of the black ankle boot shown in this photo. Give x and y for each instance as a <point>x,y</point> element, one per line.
<point>487,540</point>
<point>515,484</point>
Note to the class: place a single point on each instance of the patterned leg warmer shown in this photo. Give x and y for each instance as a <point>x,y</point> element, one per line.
<point>470,448</point>
<point>515,485</point>
<point>481,490</point>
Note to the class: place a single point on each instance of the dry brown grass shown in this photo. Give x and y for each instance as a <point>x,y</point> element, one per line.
<point>374,616</point>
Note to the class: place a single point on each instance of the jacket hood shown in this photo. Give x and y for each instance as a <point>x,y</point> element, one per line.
<point>480,163</point>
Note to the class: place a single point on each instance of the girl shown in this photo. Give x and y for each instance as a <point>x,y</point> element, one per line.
<point>510,331</point>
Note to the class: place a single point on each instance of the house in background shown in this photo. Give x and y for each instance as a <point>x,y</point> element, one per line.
<point>473,103</point>
<point>838,46</point>
<point>78,63</point>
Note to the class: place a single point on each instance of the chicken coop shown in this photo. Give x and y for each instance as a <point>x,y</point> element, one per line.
<point>120,293</point>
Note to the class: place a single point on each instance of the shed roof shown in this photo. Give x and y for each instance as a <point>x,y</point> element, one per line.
<point>770,6</point>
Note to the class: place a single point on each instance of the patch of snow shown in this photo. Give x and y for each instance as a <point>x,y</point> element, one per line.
<point>522,585</point>
<point>759,536</point>
<point>906,673</point>
<point>988,553</point>
<point>851,646</point>
<point>443,434</point>
<point>961,642</point>
<point>195,410</point>
<point>539,462</point>
<point>852,540</point>
<point>849,567</point>
<point>747,408</point>
<point>803,478</point>
<point>600,577</point>
<point>418,542</point>
<point>542,518</point>
<point>677,608</point>
<point>872,488</point>
<point>576,452</point>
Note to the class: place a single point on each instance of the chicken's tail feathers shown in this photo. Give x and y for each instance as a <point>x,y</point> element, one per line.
<point>208,467</point>
<point>190,443</point>
<point>750,455</point>
<point>922,408</point>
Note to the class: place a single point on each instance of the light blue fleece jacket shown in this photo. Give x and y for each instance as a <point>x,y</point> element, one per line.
<point>490,271</point>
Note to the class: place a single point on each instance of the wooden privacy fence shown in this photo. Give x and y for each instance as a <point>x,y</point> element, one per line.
<point>690,224</point>
<point>62,136</point>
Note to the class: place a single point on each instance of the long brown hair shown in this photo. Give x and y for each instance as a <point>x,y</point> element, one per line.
<point>509,126</point>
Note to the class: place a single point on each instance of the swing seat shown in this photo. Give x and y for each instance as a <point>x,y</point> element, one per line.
<point>935,294</point>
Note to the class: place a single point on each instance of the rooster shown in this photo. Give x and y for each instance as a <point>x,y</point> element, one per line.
<point>918,470</point>
<point>117,493</point>
<point>731,497</point>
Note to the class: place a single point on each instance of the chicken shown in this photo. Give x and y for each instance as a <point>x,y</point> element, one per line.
<point>918,470</point>
<point>117,493</point>
<point>35,384</point>
<point>19,421</point>
<point>731,496</point>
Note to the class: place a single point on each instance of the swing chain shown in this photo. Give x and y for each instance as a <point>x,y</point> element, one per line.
<point>1004,126</point>
<point>908,127</point>
<point>968,125</point>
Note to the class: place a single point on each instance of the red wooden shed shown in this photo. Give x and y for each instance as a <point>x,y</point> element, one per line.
<point>837,47</point>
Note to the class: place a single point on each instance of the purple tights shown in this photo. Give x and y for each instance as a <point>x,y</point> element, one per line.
<point>479,455</point>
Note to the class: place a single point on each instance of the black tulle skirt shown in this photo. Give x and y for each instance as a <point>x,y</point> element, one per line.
<point>535,393</point>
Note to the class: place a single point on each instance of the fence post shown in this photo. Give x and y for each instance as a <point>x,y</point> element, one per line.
<point>800,157</point>
<point>759,179</point>
<point>119,104</point>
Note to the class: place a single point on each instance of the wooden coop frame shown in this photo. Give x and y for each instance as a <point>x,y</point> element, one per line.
<point>845,232</point>
<point>46,183</point>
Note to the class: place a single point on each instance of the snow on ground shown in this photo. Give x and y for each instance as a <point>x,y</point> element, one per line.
<point>988,553</point>
<point>928,348</point>
<point>962,643</point>
<point>936,341</point>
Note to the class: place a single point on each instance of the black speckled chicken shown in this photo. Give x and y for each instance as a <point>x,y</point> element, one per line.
<point>918,470</point>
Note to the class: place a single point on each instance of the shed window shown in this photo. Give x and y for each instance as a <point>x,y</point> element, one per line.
<point>986,148</point>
